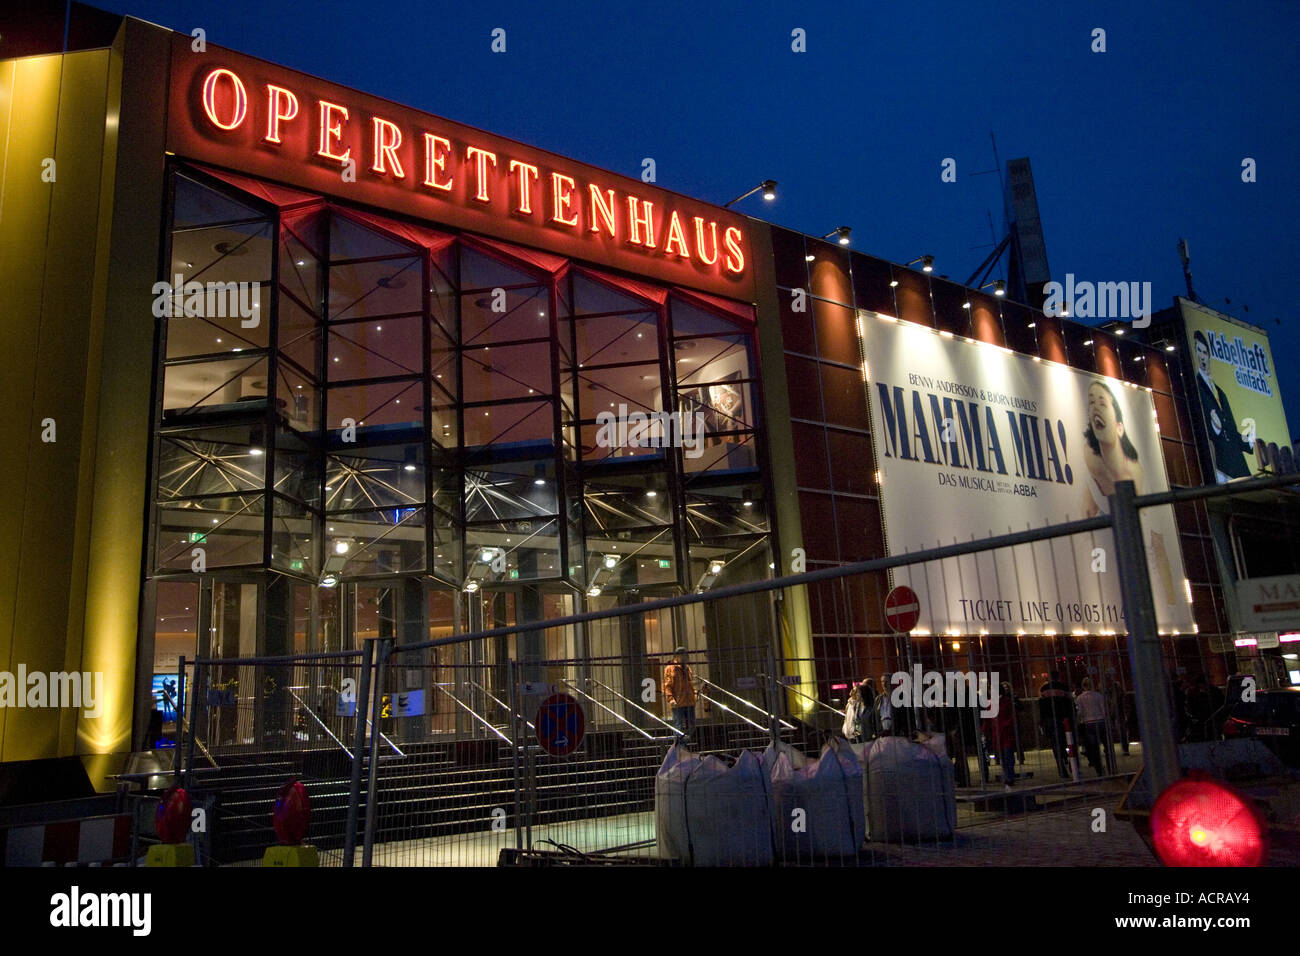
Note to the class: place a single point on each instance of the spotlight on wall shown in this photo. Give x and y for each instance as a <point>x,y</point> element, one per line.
<point>927,263</point>
<point>611,562</point>
<point>841,233</point>
<point>593,591</point>
<point>999,286</point>
<point>341,547</point>
<point>471,587</point>
<point>328,581</point>
<point>768,187</point>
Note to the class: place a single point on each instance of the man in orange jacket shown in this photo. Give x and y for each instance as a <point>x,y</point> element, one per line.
<point>679,689</point>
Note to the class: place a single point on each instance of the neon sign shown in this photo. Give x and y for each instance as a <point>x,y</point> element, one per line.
<point>245,114</point>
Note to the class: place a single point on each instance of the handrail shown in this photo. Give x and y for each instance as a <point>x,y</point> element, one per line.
<point>814,700</point>
<point>650,714</point>
<point>739,715</point>
<point>384,737</point>
<point>747,703</point>
<point>500,703</point>
<point>187,727</point>
<point>312,714</point>
<point>473,713</point>
<point>574,687</point>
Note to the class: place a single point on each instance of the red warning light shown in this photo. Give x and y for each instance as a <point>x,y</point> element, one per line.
<point>1204,822</point>
<point>172,818</point>
<point>291,815</point>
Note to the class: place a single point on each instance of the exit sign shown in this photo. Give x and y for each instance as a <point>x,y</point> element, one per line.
<point>514,574</point>
<point>197,537</point>
<point>296,564</point>
<point>665,563</point>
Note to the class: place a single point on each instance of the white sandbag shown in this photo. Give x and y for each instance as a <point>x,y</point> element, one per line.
<point>818,808</point>
<point>709,814</point>
<point>768,760</point>
<point>908,792</point>
<point>670,803</point>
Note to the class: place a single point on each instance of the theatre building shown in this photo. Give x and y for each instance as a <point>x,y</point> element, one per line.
<point>288,365</point>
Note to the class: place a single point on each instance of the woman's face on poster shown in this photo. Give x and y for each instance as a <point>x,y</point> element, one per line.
<point>1101,416</point>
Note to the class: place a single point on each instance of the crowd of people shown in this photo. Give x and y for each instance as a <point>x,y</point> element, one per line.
<point>1093,721</point>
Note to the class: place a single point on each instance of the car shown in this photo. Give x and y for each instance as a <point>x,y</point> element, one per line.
<point>1273,717</point>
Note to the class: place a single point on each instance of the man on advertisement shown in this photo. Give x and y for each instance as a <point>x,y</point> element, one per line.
<point>1229,446</point>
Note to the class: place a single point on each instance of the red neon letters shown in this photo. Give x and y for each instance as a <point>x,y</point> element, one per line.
<point>469,174</point>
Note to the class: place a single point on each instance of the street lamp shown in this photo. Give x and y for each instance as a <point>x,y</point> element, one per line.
<point>768,186</point>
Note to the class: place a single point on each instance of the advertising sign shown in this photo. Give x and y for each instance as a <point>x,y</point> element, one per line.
<point>1269,604</point>
<point>1236,387</point>
<point>264,120</point>
<point>973,440</point>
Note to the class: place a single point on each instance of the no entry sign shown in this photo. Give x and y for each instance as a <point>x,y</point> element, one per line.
<point>902,609</point>
<point>560,725</point>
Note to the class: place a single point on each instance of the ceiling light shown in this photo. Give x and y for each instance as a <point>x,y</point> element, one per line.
<point>651,493</point>
<point>255,451</point>
<point>408,468</point>
<point>341,547</point>
<point>593,591</point>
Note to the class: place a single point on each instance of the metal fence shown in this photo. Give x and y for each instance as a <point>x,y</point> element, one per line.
<point>463,750</point>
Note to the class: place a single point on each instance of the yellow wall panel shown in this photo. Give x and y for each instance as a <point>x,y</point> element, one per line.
<point>31,115</point>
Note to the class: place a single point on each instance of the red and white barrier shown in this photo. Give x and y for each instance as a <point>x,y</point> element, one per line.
<point>93,840</point>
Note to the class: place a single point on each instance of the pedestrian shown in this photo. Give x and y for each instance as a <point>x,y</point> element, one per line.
<point>859,713</point>
<point>1000,735</point>
<point>679,691</point>
<point>888,722</point>
<point>1055,707</point>
<point>1091,705</point>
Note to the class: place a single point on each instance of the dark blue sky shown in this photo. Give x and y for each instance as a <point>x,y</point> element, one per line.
<point>1131,148</point>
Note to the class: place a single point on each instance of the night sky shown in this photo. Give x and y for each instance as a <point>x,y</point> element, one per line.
<point>1131,148</point>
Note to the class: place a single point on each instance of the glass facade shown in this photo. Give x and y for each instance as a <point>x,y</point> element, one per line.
<point>395,431</point>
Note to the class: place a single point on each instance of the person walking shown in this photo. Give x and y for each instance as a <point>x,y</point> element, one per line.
<point>860,713</point>
<point>1000,734</point>
<point>1091,705</point>
<point>1055,707</point>
<point>679,691</point>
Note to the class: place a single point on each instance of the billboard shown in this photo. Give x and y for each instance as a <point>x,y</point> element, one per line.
<point>973,440</point>
<point>1269,604</point>
<point>1238,397</point>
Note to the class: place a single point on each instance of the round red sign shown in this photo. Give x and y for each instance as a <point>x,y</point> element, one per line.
<point>902,608</point>
<point>560,725</point>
